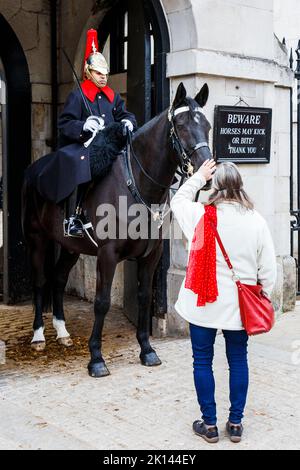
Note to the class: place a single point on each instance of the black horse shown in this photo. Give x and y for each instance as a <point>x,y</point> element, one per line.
<point>177,137</point>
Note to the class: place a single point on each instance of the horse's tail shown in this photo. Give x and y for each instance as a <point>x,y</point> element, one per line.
<point>29,207</point>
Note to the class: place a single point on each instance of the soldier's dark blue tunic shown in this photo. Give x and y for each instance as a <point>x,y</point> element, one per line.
<point>56,175</point>
<point>74,115</point>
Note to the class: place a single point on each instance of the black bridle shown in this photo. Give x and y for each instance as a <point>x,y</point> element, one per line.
<point>184,156</point>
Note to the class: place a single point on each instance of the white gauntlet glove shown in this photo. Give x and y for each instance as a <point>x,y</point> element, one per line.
<point>128,124</point>
<point>93,124</point>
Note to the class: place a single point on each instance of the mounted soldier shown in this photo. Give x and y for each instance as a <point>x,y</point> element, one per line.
<point>79,123</point>
<point>182,132</point>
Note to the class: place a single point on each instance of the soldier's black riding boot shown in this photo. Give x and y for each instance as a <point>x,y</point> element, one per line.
<point>73,224</point>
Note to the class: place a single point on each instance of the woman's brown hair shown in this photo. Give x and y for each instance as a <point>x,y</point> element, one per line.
<point>227,185</point>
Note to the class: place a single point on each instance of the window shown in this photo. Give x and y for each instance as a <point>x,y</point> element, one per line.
<point>113,38</point>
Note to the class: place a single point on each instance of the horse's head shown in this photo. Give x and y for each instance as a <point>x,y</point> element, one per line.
<point>190,130</point>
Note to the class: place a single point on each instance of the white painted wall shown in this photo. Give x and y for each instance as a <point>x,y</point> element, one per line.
<point>235,26</point>
<point>286,21</point>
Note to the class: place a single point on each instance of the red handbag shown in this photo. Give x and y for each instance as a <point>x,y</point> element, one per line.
<point>257,312</point>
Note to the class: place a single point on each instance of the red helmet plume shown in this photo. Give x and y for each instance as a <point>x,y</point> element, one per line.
<point>93,60</point>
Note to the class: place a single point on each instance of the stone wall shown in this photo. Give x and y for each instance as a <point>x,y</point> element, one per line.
<point>82,281</point>
<point>30,20</point>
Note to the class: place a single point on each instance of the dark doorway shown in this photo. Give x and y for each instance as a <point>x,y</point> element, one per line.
<point>134,36</point>
<point>16,156</point>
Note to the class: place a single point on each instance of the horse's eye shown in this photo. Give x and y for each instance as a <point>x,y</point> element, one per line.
<point>180,124</point>
<point>180,121</point>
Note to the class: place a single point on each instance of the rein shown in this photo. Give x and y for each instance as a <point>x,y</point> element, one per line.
<point>130,147</point>
<point>131,184</point>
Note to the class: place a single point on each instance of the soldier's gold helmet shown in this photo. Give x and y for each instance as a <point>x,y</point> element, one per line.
<point>93,59</point>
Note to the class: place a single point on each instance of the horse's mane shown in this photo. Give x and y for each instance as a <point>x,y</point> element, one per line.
<point>153,122</point>
<point>150,124</point>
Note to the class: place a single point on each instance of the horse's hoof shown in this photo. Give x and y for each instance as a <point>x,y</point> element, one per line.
<point>151,359</point>
<point>38,346</point>
<point>98,369</point>
<point>67,341</point>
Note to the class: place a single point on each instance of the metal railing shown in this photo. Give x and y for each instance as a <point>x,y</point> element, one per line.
<point>295,213</point>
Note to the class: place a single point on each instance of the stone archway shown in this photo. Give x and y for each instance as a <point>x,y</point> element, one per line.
<point>180,17</point>
<point>16,117</point>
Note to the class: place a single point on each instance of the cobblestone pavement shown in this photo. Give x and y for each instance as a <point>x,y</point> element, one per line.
<point>48,401</point>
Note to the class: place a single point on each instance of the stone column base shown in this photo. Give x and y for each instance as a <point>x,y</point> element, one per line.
<point>284,292</point>
<point>2,352</point>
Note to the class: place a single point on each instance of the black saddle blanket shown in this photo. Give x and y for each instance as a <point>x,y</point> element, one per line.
<point>57,174</point>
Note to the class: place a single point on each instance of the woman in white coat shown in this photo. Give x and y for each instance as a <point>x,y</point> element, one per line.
<point>208,297</point>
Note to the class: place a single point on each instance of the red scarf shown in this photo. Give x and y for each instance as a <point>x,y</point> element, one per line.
<point>91,90</point>
<point>201,275</point>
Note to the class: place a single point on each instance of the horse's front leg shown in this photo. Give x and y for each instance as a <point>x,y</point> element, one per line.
<point>106,266</point>
<point>146,269</point>
<point>62,270</point>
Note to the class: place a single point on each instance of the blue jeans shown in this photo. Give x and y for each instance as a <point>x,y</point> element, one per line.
<point>203,340</point>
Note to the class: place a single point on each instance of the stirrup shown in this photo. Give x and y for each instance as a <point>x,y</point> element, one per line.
<point>67,226</point>
<point>85,228</point>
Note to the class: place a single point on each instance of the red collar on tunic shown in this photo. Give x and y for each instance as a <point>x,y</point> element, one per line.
<point>91,90</point>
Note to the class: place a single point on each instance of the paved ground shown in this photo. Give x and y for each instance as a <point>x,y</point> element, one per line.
<point>49,401</point>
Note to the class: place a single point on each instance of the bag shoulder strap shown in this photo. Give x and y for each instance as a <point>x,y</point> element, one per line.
<point>221,244</point>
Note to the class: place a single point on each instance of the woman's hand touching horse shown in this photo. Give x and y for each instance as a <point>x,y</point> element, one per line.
<point>208,168</point>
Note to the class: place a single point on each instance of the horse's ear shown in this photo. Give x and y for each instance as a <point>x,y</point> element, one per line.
<point>202,96</point>
<point>180,95</point>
